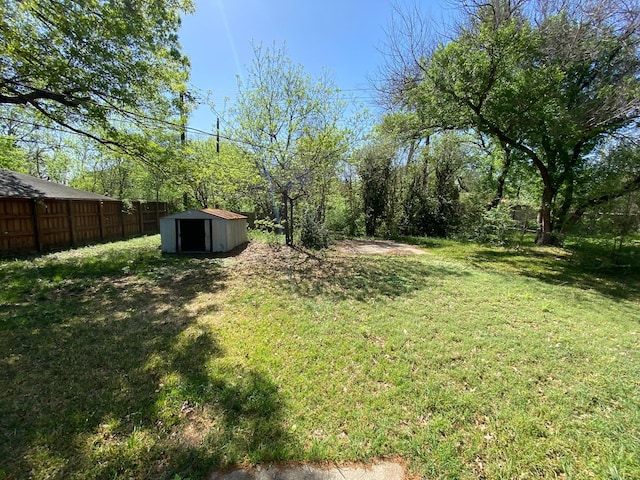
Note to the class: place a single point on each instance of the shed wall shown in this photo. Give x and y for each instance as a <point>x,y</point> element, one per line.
<point>168,235</point>
<point>225,234</point>
<point>236,233</point>
<point>220,226</point>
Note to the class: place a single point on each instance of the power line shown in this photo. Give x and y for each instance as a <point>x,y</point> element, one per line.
<point>176,127</point>
<point>134,116</point>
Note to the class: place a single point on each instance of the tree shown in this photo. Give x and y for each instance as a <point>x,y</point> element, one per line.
<point>11,156</point>
<point>375,168</point>
<point>551,80</point>
<point>218,176</point>
<point>102,69</point>
<point>446,156</point>
<point>612,175</point>
<point>289,123</point>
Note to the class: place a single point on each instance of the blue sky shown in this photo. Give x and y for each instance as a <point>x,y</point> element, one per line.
<point>342,36</point>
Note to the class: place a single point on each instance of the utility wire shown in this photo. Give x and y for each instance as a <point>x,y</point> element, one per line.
<point>177,128</point>
<point>133,116</point>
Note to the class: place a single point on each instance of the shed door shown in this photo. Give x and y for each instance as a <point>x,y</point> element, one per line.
<point>193,237</point>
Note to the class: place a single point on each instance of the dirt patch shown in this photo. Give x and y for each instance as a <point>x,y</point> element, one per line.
<point>377,247</point>
<point>351,269</point>
<point>258,259</point>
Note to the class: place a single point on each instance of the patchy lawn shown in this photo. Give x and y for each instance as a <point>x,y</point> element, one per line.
<point>471,362</point>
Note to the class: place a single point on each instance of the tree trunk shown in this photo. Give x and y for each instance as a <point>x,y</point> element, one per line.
<point>502,178</point>
<point>546,234</point>
<point>370,223</point>
<point>287,203</point>
<point>290,222</point>
<point>285,214</point>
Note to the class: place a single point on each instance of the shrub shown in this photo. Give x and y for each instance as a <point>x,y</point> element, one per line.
<point>344,219</point>
<point>494,226</point>
<point>313,234</point>
<point>268,225</point>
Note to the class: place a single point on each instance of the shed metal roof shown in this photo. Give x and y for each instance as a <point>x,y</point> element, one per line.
<point>227,215</point>
<point>214,212</point>
<point>19,185</point>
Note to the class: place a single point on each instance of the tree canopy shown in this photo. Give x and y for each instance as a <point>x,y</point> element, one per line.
<point>552,80</point>
<point>102,68</point>
<point>526,107</point>
<point>289,123</point>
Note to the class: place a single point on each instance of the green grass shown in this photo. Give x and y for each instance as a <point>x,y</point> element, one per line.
<point>467,362</point>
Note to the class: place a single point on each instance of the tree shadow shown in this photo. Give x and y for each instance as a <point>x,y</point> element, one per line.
<point>358,277</point>
<point>575,268</point>
<point>108,373</point>
<point>234,252</point>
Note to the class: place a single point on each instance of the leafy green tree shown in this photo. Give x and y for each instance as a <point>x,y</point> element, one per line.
<point>102,69</point>
<point>551,83</point>
<point>289,123</point>
<point>101,170</point>
<point>375,169</point>
<point>218,175</point>
<point>446,157</point>
<point>612,177</point>
<point>12,157</point>
<point>345,213</point>
<point>43,153</point>
<point>324,151</point>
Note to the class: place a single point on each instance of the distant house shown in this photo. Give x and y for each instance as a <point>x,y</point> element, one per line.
<point>202,231</point>
<point>37,215</point>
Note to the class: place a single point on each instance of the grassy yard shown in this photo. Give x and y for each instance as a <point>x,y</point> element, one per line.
<point>467,362</point>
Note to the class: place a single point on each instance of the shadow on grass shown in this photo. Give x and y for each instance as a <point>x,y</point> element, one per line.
<point>106,372</point>
<point>584,269</point>
<point>234,252</point>
<point>365,277</point>
<point>588,264</point>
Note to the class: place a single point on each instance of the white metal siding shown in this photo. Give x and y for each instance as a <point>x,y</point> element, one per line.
<point>236,233</point>
<point>207,235</point>
<point>221,235</point>
<point>168,235</point>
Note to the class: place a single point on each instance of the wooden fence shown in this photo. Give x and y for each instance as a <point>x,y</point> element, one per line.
<point>40,225</point>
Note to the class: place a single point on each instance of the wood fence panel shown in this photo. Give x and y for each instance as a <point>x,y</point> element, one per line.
<point>31,225</point>
<point>53,224</point>
<point>112,226</point>
<point>86,218</point>
<point>151,214</point>
<point>131,219</point>
<point>17,232</point>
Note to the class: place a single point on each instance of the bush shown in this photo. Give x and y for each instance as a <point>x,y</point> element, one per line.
<point>494,226</point>
<point>344,220</point>
<point>272,239</point>
<point>313,234</point>
<point>268,225</point>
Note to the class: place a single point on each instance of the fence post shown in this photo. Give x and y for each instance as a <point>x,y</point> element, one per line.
<point>140,219</point>
<point>36,223</point>
<point>157,217</point>
<point>122,229</point>
<point>72,227</point>
<point>101,215</point>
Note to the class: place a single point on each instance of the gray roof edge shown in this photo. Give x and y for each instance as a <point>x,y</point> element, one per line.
<point>20,185</point>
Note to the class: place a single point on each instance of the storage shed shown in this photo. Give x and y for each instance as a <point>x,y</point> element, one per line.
<point>201,231</point>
